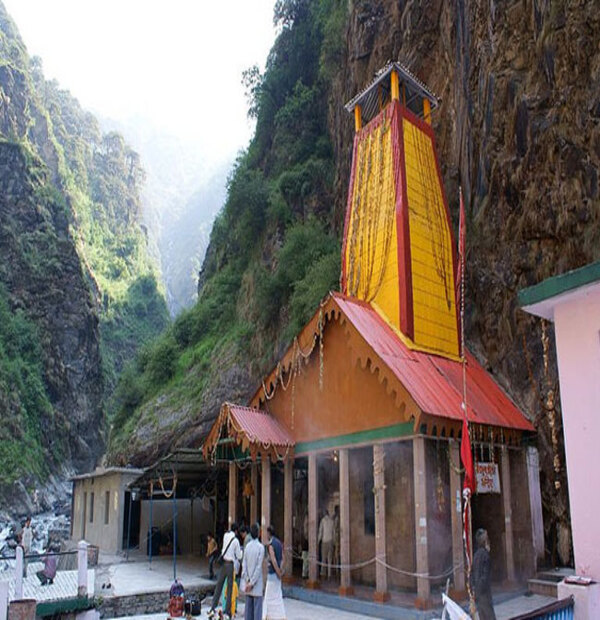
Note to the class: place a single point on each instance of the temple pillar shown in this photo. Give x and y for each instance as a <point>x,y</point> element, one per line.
<point>288,497</point>
<point>508,526</point>
<point>422,552</point>
<point>265,518</point>
<point>345,578</point>
<point>233,493</point>
<point>381,591</point>
<point>456,517</point>
<point>313,497</point>
<point>535,503</point>
<point>254,497</point>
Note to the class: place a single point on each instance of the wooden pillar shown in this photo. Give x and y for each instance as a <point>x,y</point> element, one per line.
<point>288,507</point>
<point>265,518</point>
<point>427,111</point>
<point>346,588</point>
<point>458,553</point>
<point>313,553</point>
<point>420,481</point>
<point>381,591</point>
<point>395,86</point>
<point>254,497</point>
<point>233,493</point>
<point>508,527</point>
<point>357,118</point>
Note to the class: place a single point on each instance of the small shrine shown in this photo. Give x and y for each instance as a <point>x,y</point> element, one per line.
<point>362,416</point>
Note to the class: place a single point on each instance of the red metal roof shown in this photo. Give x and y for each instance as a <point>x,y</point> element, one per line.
<point>435,383</point>
<point>259,427</point>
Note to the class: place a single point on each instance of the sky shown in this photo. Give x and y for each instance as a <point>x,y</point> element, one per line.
<point>177,64</point>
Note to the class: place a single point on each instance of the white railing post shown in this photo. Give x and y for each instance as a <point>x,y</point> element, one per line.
<point>19,573</point>
<point>3,600</point>
<point>82,568</point>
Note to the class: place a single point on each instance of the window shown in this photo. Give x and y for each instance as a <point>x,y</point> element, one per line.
<point>91,507</point>
<point>106,507</point>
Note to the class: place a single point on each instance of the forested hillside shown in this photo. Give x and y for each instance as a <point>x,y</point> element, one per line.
<point>78,294</point>
<point>518,128</point>
<point>274,249</point>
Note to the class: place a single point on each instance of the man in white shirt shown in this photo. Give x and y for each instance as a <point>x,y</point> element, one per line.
<point>326,528</point>
<point>252,575</point>
<point>231,555</point>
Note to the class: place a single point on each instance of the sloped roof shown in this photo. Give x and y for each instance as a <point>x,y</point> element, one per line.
<point>435,383</point>
<point>369,97</point>
<point>254,430</point>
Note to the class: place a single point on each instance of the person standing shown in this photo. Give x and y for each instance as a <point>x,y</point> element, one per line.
<point>231,554</point>
<point>274,608</point>
<point>252,577</point>
<point>212,553</point>
<point>480,577</point>
<point>326,528</point>
<point>26,540</point>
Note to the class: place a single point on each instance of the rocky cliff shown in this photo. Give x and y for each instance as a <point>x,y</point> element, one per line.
<point>78,295</point>
<point>518,129</point>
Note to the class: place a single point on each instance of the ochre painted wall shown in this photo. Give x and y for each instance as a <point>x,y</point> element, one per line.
<point>352,399</point>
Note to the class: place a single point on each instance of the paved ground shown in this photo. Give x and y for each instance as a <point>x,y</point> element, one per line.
<point>138,575</point>
<point>299,610</point>
<point>296,610</point>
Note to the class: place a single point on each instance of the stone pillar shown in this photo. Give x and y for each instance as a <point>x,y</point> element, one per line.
<point>508,527</point>
<point>82,568</point>
<point>254,497</point>
<point>19,572</point>
<point>381,591</point>
<point>535,503</point>
<point>3,600</point>
<point>265,519</point>
<point>233,493</point>
<point>346,588</point>
<point>420,482</point>
<point>313,497</point>
<point>288,508</point>
<point>458,553</point>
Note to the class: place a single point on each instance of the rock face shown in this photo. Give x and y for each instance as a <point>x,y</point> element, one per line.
<point>78,294</point>
<point>46,281</point>
<point>519,130</point>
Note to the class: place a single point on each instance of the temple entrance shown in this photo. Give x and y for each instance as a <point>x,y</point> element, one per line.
<point>328,511</point>
<point>488,513</point>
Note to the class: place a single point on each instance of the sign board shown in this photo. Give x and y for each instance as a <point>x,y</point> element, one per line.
<point>488,478</point>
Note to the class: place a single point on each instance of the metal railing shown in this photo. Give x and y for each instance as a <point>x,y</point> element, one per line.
<point>51,576</point>
<point>560,610</point>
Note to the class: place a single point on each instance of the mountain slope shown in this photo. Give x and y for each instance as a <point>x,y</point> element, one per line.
<point>77,290</point>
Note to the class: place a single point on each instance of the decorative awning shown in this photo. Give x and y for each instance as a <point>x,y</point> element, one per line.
<point>254,431</point>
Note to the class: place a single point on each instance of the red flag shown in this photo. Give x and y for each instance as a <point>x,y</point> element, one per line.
<point>466,456</point>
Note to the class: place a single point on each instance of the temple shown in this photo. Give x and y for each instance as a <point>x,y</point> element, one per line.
<point>362,415</point>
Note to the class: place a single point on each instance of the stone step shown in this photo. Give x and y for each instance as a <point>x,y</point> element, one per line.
<point>544,587</point>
